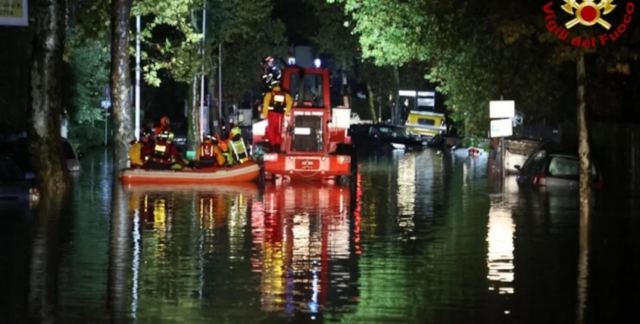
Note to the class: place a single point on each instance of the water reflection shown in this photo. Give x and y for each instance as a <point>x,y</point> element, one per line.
<point>169,245</point>
<point>500,248</point>
<point>415,239</point>
<point>500,237</point>
<point>302,245</point>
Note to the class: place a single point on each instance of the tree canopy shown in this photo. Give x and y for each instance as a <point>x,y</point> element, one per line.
<point>475,52</point>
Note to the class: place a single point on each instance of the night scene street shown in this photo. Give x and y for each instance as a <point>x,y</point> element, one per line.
<point>311,161</point>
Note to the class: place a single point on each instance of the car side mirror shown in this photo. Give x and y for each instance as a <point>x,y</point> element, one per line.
<point>517,167</point>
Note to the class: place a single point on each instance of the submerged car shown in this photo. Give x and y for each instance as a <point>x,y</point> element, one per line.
<point>384,136</point>
<point>545,168</point>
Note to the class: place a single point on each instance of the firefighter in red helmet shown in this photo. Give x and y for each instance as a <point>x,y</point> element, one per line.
<point>165,125</point>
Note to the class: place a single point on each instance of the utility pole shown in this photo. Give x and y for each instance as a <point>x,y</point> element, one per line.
<point>137,89</point>
<point>202,118</point>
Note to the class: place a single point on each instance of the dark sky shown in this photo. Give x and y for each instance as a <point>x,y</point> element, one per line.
<point>299,19</point>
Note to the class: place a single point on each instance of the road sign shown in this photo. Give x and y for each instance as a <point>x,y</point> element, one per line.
<point>501,127</point>
<point>502,109</point>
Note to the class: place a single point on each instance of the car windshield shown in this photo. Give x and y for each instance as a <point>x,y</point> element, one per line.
<point>564,167</point>
<point>309,92</point>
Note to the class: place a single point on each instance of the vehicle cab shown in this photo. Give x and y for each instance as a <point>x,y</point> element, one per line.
<point>313,130</point>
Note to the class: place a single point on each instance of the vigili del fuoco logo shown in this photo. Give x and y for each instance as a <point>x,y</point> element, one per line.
<point>608,20</point>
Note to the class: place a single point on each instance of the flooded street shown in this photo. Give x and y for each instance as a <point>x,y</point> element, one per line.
<point>419,237</point>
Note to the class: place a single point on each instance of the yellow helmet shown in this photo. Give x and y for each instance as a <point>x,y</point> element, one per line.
<point>235,131</point>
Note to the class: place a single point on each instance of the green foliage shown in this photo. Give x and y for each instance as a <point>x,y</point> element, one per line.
<point>89,19</point>
<point>335,34</point>
<point>170,41</point>
<point>247,33</point>
<point>88,62</point>
<point>476,52</point>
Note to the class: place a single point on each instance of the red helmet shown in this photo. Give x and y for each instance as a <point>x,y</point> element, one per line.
<point>164,121</point>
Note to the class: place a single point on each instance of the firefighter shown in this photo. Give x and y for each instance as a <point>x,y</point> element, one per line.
<point>271,72</point>
<point>165,125</point>
<point>225,152</point>
<point>165,154</point>
<point>236,144</point>
<point>276,105</point>
<point>210,153</point>
<point>140,149</point>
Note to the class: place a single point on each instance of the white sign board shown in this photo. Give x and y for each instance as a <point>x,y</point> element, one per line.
<point>426,102</point>
<point>14,13</point>
<point>501,128</point>
<point>407,93</point>
<point>502,109</point>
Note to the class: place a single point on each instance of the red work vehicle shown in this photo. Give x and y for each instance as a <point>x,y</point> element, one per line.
<point>314,133</point>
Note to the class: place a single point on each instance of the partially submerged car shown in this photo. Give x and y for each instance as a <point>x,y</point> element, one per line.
<point>545,168</point>
<point>384,136</point>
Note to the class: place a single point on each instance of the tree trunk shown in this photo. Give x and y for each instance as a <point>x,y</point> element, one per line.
<point>372,102</point>
<point>585,192</point>
<point>583,139</point>
<point>120,81</point>
<point>45,147</point>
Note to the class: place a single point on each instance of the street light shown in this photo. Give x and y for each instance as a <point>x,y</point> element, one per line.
<point>317,62</point>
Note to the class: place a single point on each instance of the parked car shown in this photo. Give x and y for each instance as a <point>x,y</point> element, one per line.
<point>379,136</point>
<point>545,168</point>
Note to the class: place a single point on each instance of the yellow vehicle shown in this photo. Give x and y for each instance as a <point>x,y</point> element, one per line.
<point>422,118</point>
<point>425,123</point>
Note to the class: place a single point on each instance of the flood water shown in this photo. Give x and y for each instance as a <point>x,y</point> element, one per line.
<point>420,237</point>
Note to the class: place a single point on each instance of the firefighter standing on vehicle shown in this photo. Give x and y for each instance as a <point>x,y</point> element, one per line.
<point>276,105</point>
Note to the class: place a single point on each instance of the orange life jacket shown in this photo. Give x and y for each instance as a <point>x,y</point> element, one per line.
<point>206,150</point>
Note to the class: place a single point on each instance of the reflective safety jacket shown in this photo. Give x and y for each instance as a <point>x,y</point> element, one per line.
<point>276,100</point>
<point>164,152</point>
<point>239,150</point>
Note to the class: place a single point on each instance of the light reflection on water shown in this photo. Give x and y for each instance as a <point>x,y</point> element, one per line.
<point>419,237</point>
